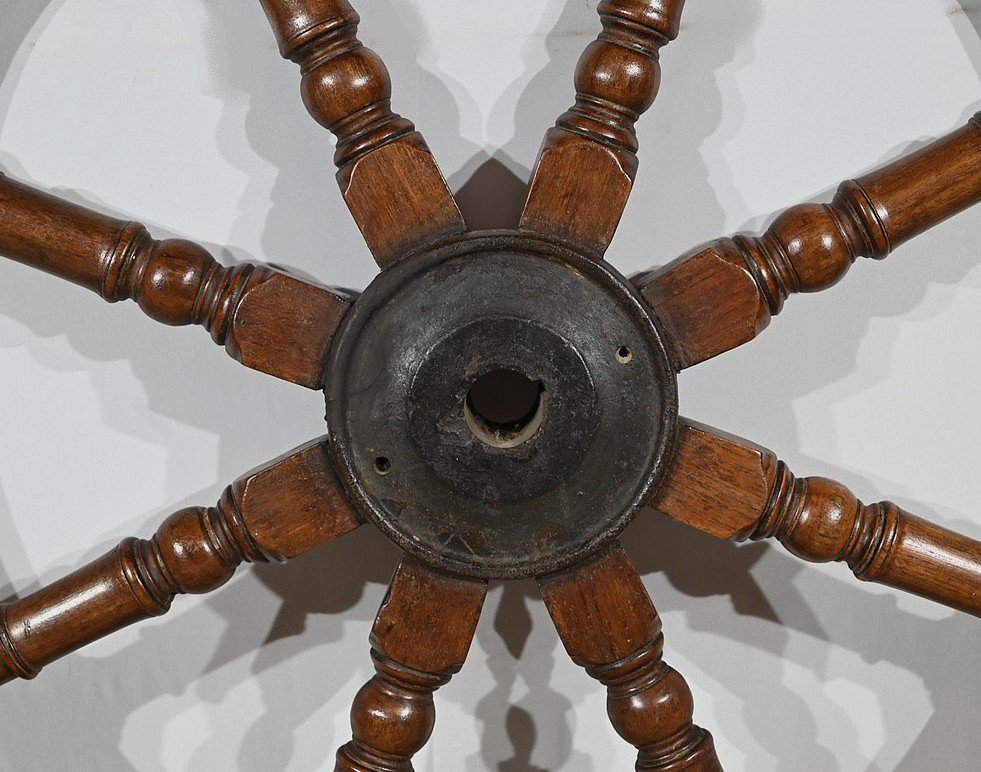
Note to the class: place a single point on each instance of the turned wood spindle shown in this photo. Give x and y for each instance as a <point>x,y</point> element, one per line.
<point>265,319</point>
<point>347,89</point>
<point>175,281</point>
<point>724,293</point>
<point>619,74</point>
<point>821,520</point>
<point>734,489</point>
<point>420,638</point>
<point>810,247</point>
<point>345,86</point>
<point>588,160</point>
<point>286,509</point>
<point>194,551</point>
<point>609,626</point>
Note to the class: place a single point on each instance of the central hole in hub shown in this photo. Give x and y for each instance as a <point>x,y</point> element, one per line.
<point>504,408</point>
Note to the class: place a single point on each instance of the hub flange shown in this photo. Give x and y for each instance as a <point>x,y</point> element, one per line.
<point>483,495</point>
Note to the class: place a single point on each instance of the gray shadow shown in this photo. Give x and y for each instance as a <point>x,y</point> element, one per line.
<point>175,383</point>
<point>492,195</point>
<point>10,578</point>
<point>18,20</point>
<point>518,653</point>
<point>315,591</point>
<point>330,585</point>
<point>971,11</point>
<point>304,222</point>
<point>761,582</point>
<point>318,596</point>
<point>491,192</point>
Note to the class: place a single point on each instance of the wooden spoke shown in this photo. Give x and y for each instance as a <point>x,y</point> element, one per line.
<point>283,510</point>
<point>723,294</point>
<point>588,162</point>
<point>733,489</point>
<point>419,640</point>
<point>387,174</point>
<point>608,624</point>
<point>266,319</point>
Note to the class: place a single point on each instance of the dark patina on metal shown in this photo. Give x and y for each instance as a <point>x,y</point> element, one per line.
<point>433,324</point>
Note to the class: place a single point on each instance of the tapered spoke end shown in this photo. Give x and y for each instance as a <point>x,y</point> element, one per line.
<point>733,489</point>
<point>608,625</point>
<point>723,294</point>
<point>399,199</point>
<point>428,618</point>
<point>420,638</point>
<point>716,483</point>
<point>284,327</point>
<point>708,302</point>
<point>578,191</point>
<point>290,506</point>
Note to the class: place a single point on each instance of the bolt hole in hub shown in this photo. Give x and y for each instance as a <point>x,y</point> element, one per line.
<point>505,408</point>
<point>500,406</point>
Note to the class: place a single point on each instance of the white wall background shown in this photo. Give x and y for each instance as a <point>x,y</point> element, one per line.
<point>180,113</point>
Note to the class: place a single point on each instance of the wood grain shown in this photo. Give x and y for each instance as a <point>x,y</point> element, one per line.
<point>420,638</point>
<point>609,626</point>
<point>716,483</point>
<point>280,511</point>
<point>708,301</point>
<point>386,172</point>
<point>723,294</point>
<point>733,489</point>
<point>588,161</point>
<point>267,320</point>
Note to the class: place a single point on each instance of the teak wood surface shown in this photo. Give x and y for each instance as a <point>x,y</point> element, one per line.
<point>708,301</point>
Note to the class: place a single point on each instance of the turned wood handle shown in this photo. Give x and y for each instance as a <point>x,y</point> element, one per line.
<point>419,640</point>
<point>267,320</point>
<point>279,512</point>
<point>912,194</point>
<point>609,626</point>
<point>135,581</point>
<point>618,75</point>
<point>588,161</point>
<point>724,293</point>
<point>821,520</point>
<point>386,172</point>
<point>116,259</point>
<point>346,87</point>
<point>734,489</point>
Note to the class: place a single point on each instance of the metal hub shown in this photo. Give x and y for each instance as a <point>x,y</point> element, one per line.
<point>500,406</point>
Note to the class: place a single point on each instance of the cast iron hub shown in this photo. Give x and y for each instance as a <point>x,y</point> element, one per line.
<point>500,406</point>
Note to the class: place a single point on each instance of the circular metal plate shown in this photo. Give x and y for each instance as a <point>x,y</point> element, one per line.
<point>409,352</point>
